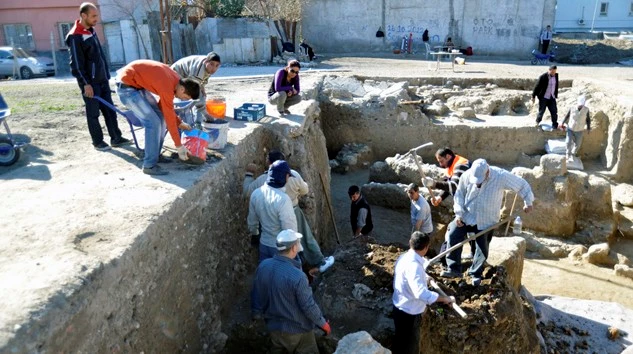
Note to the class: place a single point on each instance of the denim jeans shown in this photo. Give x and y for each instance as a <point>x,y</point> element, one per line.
<point>456,235</point>
<point>92,114</point>
<point>145,107</point>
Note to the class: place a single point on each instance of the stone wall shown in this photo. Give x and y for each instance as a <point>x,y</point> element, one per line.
<point>490,27</point>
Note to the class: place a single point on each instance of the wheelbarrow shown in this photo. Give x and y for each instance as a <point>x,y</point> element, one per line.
<point>9,147</point>
<point>182,108</point>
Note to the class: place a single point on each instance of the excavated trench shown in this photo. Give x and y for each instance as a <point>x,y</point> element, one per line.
<point>183,287</point>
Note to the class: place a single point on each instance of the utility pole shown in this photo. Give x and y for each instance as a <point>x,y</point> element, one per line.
<point>593,20</point>
<point>165,31</point>
<point>53,51</point>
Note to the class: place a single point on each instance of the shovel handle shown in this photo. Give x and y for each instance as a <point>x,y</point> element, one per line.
<point>455,307</point>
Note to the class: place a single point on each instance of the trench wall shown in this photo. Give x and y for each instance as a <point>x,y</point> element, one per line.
<point>175,288</point>
<point>490,27</point>
<point>383,128</point>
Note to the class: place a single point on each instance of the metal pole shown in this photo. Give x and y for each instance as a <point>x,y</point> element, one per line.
<point>53,52</point>
<point>15,61</point>
<point>593,20</point>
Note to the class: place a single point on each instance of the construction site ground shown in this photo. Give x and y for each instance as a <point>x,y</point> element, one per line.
<point>63,196</point>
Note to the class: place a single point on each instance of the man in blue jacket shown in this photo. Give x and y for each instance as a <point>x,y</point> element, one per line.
<point>89,66</point>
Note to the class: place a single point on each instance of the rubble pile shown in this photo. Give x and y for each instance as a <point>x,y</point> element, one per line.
<point>351,157</point>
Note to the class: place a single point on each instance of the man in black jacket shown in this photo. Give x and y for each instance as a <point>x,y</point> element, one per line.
<point>546,90</point>
<point>360,213</point>
<point>89,66</point>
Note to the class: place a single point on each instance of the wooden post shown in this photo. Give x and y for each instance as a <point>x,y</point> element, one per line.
<point>53,52</point>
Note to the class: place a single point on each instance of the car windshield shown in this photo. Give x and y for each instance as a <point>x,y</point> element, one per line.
<point>22,53</point>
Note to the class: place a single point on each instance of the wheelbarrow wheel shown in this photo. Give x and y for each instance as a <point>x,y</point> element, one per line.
<point>8,154</point>
<point>534,61</point>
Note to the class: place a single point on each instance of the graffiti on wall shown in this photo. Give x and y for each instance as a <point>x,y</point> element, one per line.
<point>500,27</point>
<point>396,31</point>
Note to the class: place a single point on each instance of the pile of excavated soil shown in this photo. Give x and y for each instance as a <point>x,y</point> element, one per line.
<point>356,295</point>
<point>591,51</point>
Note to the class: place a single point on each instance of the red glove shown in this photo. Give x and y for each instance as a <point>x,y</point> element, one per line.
<point>326,328</point>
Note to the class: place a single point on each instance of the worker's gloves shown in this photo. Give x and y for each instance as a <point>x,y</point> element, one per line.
<point>326,328</point>
<point>429,182</point>
<point>182,153</point>
<point>184,126</point>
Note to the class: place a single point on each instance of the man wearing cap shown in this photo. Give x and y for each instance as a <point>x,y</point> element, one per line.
<point>420,211</point>
<point>576,119</point>
<point>294,188</point>
<point>288,306</point>
<point>360,213</point>
<point>546,90</point>
<point>199,67</point>
<point>411,295</point>
<point>477,203</point>
<point>271,207</point>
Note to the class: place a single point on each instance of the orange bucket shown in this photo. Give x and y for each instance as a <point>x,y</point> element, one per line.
<point>216,107</point>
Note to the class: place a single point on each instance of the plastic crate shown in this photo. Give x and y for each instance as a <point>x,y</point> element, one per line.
<point>250,112</point>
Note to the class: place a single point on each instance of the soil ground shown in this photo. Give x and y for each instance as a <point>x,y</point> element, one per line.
<point>586,51</point>
<point>69,207</point>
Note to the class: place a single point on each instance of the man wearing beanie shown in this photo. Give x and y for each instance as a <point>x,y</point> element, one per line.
<point>271,207</point>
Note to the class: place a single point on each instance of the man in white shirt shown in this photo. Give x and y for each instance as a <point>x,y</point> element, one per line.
<point>546,37</point>
<point>575,121</point>
<point>411,295</point>
<point>477,202</point>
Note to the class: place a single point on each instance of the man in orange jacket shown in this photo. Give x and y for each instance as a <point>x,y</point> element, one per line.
<point>136,82</point>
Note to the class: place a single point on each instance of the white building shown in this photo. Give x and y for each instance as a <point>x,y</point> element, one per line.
<point>593,15</point>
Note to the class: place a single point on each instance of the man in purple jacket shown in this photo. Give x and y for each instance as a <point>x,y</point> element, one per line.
<point>284,90</point>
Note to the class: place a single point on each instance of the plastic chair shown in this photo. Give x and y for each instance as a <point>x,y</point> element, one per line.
<point>428,49</point>
<point>134,122</point>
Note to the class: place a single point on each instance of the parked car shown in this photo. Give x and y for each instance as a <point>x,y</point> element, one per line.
<point>29,65</point>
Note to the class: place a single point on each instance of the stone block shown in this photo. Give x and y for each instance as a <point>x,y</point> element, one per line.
<point>387,195</point>
<point>467,112</point>
<point>360,343</point>
<point>553,165</point>
<point>577,252</point>
<point>438,108</point>
<point>344,84</point>
<point>601,254</point>
<point>509,252</point>
<point>624,219</point>
<point>623,194</point>
<point>623,271</point>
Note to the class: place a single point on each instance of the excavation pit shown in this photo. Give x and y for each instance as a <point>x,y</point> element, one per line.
<point>178,278</point>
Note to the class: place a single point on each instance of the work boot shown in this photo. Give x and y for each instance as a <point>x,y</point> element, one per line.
<point>120,142</point>
<point>155,171</point>
<point>449,274</point>
<point>102,146</point>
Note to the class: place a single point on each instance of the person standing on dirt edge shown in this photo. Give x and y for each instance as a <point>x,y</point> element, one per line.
<point>411,295</point>
<point>477,202</point>
<point>88,65</point>
<point>360,213</point>
<point>287,303</point>
<point>546,37</point>
<point>546,90</point>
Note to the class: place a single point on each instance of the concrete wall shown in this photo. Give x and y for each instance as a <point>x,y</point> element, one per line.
<point>240,40</point>
<point>583,15</point>
<point>490,27</point>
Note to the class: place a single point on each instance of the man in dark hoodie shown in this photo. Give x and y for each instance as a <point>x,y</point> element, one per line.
<point>88,65</point>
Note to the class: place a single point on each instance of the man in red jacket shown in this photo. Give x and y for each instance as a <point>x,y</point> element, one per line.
<point>136,82</point>
<point>89,66</point>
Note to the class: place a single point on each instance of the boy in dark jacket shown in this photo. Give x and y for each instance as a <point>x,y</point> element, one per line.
<point>89,66</point>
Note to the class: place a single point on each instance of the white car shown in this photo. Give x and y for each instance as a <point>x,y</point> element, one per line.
<point>28,65</point>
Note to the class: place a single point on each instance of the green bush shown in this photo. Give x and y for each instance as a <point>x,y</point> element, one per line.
<point>230,8</point>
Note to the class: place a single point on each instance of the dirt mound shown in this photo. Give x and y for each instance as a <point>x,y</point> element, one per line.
<point>591,51</point>
<point>356,295</point>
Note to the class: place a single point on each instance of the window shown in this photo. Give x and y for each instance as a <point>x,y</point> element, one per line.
<point>20,34</point>
<point>64,28</point>
<point>604,8</point>
<point>4,54</point>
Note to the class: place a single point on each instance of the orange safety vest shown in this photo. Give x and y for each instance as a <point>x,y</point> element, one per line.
<point>458,160</point>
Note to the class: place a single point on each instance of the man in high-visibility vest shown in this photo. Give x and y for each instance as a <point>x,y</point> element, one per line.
<point>455,165</point>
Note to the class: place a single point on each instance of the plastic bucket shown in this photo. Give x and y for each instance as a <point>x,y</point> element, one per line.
<point>216,107</point>
<point>218,133</point>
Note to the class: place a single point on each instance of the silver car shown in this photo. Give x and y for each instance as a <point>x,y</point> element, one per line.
<point>28,65</point>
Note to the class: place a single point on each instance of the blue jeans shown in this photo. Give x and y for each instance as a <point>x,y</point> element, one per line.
<point>456,235</point>
<point>145,107</point>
